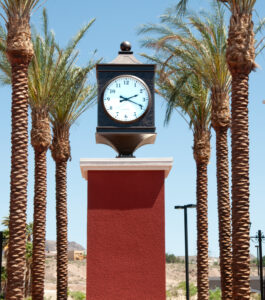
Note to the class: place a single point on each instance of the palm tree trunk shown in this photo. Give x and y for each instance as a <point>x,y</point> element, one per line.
<point>19,180</point>
<point>61,219</point>
<point>39,226</point>
<point>202,228</point>
<point>224,210</point>
<point>28,276</point>
<point>240,188</point>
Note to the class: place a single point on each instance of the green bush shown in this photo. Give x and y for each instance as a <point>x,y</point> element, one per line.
<point>77,295</point>
<point>173,292</point>
<point>215,295</point>
<point>193,288</point>
<point>256,261</point>
<point>255,296</point>
<point>3,274</point>
<point>171,258</point>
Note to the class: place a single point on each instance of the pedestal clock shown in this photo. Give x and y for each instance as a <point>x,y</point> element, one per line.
<point>125,103</point>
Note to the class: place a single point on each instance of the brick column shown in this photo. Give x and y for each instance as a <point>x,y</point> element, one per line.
<point>125,228</point>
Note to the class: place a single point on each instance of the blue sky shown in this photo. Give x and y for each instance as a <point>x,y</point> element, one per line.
<point>117,21</point>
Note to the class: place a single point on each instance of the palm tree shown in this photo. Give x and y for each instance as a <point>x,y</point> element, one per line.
<point>203,53</point>
<point>42,78</point>
<point>46,73</point>
<point>28,256</point>
<point>182,5</point>
<point>19,52</point>
<point>188,93</point>
<point>240,55</point>
<point>211,64</point>
<point>206,56</point>
<point>74,98</point>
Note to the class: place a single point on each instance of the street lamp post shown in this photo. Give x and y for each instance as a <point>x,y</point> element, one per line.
<point>260,265</point>
<point>258,238</point>
<point>185,207</point>
<point>257,257</point>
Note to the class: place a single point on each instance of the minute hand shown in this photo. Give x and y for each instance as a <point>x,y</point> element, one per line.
<point>127,99</point>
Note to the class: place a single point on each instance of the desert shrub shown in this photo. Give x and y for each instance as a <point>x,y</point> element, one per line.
<point>171,258</point>
<point>193,288</point>
<point>255,296</point>
<point>173,292</point>
<point>255,261</point>
<point>215,294</point>
<point>168,294</point>
<point>77,295</point>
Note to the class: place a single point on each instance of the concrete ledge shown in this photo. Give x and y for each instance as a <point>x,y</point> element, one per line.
<point>123,164</point>
<point>215,282</point>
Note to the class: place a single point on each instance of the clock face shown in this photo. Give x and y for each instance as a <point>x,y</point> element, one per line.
<point>126,98</point>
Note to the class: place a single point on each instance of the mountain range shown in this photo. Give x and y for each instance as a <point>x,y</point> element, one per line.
<point>51,246</point>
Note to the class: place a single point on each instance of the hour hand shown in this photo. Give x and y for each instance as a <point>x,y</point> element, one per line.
<point>127,98</point>
<point>123,99</point>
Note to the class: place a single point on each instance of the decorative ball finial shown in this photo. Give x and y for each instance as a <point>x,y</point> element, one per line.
<point>126,46</point>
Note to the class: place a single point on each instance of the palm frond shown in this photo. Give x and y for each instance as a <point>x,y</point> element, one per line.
<point>68,51</point>
<point>239,7</point>
<point>200,42</point>
<point>18,8</point>
<point>181,7</point>
<point>74,97</point>
<point>186,94</point>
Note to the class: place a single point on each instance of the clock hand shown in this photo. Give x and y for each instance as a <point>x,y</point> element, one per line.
<point>127,99</point>
<point>132,96</point>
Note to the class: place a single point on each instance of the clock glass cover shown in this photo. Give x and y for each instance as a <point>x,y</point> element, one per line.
<point>126,98</point>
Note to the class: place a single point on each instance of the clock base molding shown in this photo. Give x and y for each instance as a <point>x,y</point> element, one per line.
<point>126,227</point>
<point>125,143</point>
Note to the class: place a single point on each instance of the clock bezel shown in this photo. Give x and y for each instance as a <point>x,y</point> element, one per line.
<point>133,77</point>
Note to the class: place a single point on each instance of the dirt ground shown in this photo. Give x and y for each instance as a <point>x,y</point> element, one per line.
<point>76,277</point>
<point>175,274</point>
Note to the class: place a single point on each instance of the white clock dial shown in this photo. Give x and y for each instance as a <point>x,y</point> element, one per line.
<point>126,98</point>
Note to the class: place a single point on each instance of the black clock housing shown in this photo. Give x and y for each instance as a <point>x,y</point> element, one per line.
<point>125,138</point>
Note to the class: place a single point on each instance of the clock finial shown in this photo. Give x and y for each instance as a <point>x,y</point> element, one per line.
<point>125,46</point>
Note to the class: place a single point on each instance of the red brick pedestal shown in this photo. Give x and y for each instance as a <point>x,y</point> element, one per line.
<point>125,228</point>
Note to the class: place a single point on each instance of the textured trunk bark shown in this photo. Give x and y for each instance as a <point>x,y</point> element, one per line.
<point>19,180</point>
<point>240,188</point>
<point>202,229</point>
<point>61,219</point>
<point>224,212</point>
<point>27,292</point>
<point>39,226</point>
